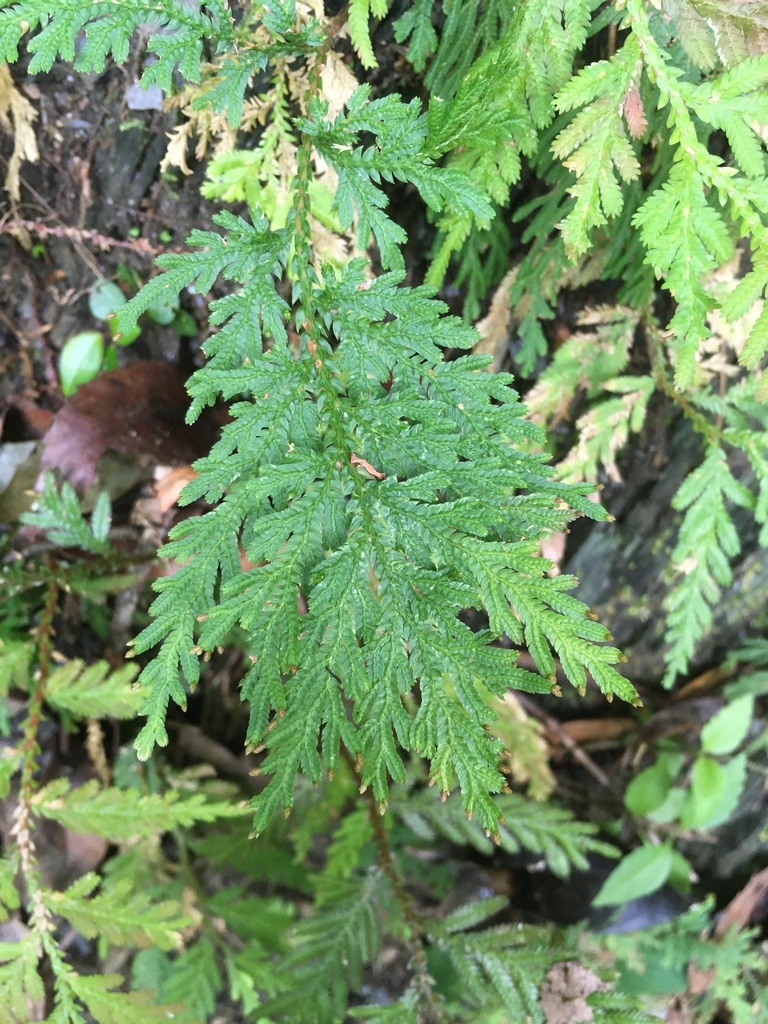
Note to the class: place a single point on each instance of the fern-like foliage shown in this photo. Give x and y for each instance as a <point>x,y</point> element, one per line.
<point>501,104</point>
<point>57,512</point>
<point>683,231</point>
<point>499,965</point>
<point>707,542</point>
<point>633,187</point>
<point>329,951</point>
<point>108,31</point>
<point>367,490</point>
<point>544,830</point>
<point>730,962</point>
<point>376,501</point>
<point>119,914</point>
<point>374,481</point>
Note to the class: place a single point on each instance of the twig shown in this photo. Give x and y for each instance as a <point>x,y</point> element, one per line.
<point>138,245</point>
<point>570,745</point>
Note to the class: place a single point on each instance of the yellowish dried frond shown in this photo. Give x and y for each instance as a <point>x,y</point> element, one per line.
<point>17,115</point>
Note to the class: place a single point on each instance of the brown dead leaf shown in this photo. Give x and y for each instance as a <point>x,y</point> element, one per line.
<point>338,83</point>
<point>357,461</point>
<point>597,730</point>
<point>553,549</point>
<point>23,420</point>
<point>169,483</point>
<point>634,112</point>
<point>494,326</point>
<point>564,991</point>
<point>137,410</point>
<point>749,907</point>
<point>679,1011</point>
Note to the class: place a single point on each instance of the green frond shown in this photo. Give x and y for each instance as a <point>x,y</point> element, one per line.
<point>360,12</point>
<point>707,543</point>
<point>119,814</point>
<point>57,512</point>
<point>328,953</point>
<point>605,428</point>
<point>101,994</point>
<point>109,30</point>
<point>595,354</point>
<point>21,985</point>
<point>594,145</point>
<point>543,830</point>
<point>120,914</point>
<point>497,966</point>
<point>612,1007</point>
<point>94,691</point>
<point>400,131</point>
<point>694,241</point>
<point>193,979</point>
<point>416,25</point>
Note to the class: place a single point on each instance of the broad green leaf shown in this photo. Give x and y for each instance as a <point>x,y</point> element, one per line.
<point>728,729</point>
<point>708,786</point>
<point>733,775</point>
<point>185,324</point>
<point>648,790</point>
<point>641,872</point>
<point>670,809</point>
<point>163,313</point>
<point>680,872</point>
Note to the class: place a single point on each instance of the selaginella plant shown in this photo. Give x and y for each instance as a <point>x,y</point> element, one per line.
<point>367,489</point>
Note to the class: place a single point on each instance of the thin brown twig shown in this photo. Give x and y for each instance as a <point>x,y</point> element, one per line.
<point>570,745</point>
<point>611,39</point>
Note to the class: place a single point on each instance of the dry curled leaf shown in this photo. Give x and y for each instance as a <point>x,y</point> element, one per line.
<point>634,112</point>
<point>17,115</point>
<point>564,991</point>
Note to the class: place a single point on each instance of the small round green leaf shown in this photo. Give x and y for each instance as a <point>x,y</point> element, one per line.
<point>728,729</point>
<point>641,872</point>
<point>110,358</point>
<point>80,360</point>
<point>104,299</point>
<point>126,337</point>
<point>163,314</point>
<point>648,790</point>
<point>185,324</point>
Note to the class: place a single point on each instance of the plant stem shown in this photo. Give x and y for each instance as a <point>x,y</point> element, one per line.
<point>422,979</point>
<point>40,916</point>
